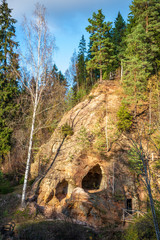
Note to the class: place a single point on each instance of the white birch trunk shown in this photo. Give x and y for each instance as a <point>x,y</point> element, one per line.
<point>38,61</point>
<point>29,156</point>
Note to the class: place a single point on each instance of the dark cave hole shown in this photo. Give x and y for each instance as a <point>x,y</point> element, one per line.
<point>61,190</point>
<point>129,205</point>
<point>93,178</point>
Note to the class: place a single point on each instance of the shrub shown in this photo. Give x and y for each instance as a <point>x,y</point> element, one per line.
<point>80,95</point>
<point>124,119</point>
<point>56,230</point>
<point>143,228</point>
<point>67,130</point>
<point>5,185</point>
<point>83,138</point>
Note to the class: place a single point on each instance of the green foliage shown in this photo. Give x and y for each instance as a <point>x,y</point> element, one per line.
<point>67,130</point>
<point>22,215</point>
<point>105,75</point>
<point>70,99</point>
<point>81,63</point>
<point>80,94</point>
<point>5,185</point>
<point>100,139</point>
<point>8,80</point>
<point>84,138</point>
<point>102,47</point>
<point>135,162</point>
<point>142,228</point>
<point>21,180</point>
<point>124,119</point>
<point>142,47</point>
<point>118,33</point>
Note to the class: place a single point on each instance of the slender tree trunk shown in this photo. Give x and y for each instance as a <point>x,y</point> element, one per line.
<point>147,180</point>
<point>135,94</point>
<point>29,154</point>
<point>121,71</point>
<point>153,212</point>
<point>150,111</point>
<point>91,74</point>
<point>155,221</point>
<point>158,98</point>
<point>100,75</point>
<point>113,189</point>
<point>107,127</point>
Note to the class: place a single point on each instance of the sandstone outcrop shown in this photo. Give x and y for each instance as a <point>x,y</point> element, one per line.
<point>83,178</point>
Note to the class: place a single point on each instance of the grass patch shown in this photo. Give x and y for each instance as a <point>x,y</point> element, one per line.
<point>5,185</point>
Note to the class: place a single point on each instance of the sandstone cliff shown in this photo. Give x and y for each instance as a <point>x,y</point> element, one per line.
<point>84,175</point>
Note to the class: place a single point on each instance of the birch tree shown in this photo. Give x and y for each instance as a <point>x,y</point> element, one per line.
<point>39,45</point>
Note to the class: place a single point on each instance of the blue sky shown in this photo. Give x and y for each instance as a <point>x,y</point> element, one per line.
<point>67,20</point>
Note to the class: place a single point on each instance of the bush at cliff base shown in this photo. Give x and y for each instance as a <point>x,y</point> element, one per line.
<point>142,228</point>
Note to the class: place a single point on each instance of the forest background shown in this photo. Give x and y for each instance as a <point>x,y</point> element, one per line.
<point>37,90</point>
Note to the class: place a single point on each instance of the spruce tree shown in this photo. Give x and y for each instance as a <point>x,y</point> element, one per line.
<point>8,80</point>
<point>81,63</point>
<point>118,33</point>
<point>102,47</point>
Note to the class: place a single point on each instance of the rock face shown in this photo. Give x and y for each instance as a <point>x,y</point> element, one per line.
<point>85,178</point>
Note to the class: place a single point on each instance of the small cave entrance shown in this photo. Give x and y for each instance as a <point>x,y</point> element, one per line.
<point>61,190</point>
<point>129,205</point>
<point>93,178</point>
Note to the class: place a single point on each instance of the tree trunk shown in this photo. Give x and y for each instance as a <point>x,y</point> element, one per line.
<point>100,75</point>
<point>107,128</point>
<point>150,111</point>
<point>147,180</point>
<point>29,154</point>
<point>153,212</point>
<point>121,72</point>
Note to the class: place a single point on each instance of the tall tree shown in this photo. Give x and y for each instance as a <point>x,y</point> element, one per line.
<point>142,52</point>
<point>39,45</point>
<point>8,80</point>
<point>118,33</point>
<point>147,13</point>
<point>81,63</point>
<point>102,47</point>
<point>137,65</point>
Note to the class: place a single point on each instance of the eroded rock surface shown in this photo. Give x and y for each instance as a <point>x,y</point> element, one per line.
<point>82,179</point>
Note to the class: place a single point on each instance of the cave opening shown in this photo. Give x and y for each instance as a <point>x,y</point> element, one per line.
<point>61,190</point>
<point>129,205</point>
<point>93,178</point>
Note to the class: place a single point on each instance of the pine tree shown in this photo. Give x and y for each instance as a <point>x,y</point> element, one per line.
<point>147,13</point>
<point>92,74</point>
<point>137,65</point>
<point>142,49</point>
<point>81,63</point>
<point>102,47</point>
<point>8,80</point>
<point>118,33</point>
